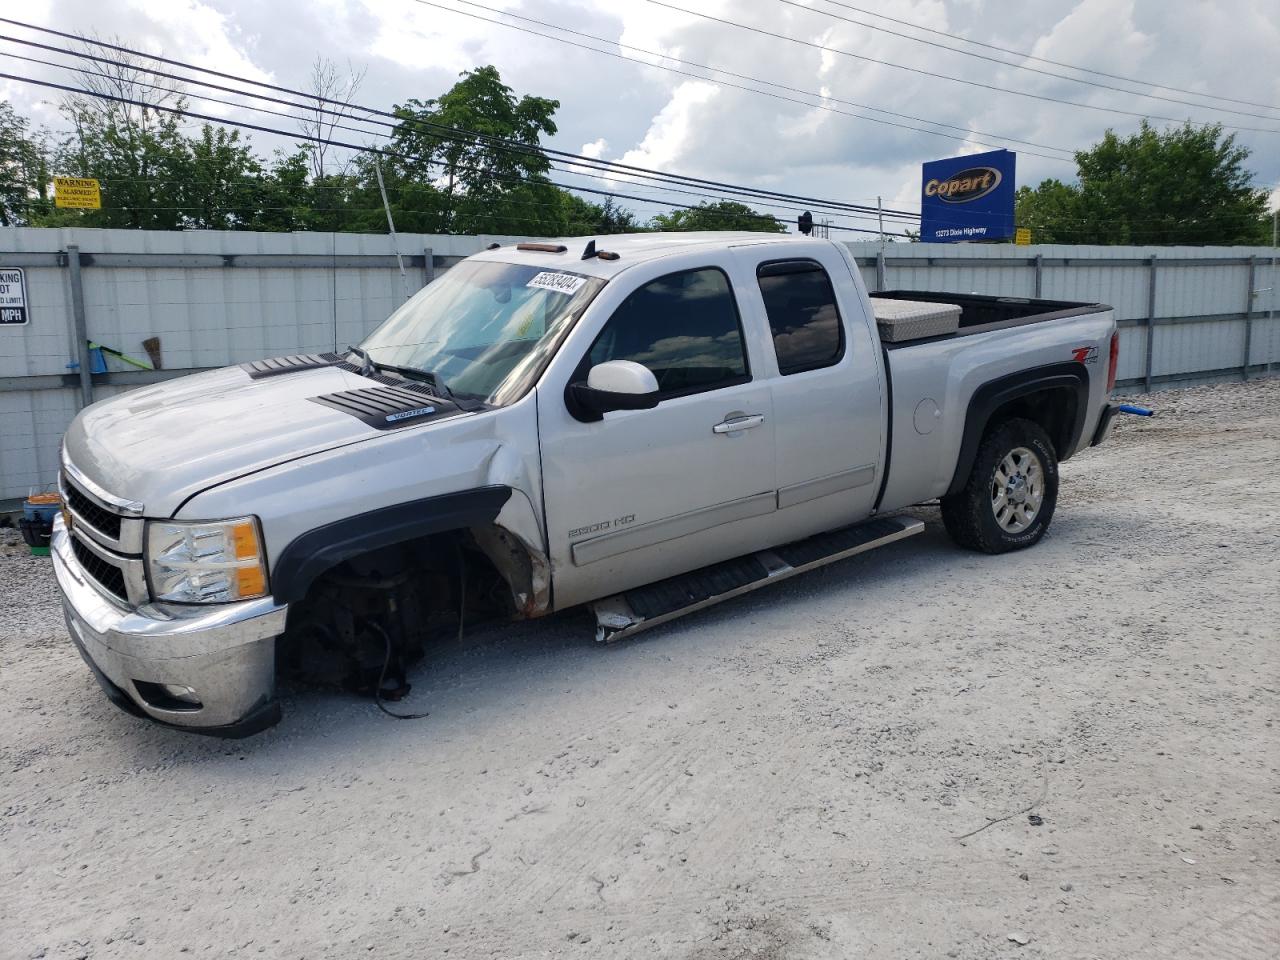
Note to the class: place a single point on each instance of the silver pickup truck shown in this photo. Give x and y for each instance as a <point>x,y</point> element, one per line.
<point>647,424</point>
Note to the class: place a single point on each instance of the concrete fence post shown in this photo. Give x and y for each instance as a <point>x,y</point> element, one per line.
<point>79,326</point>
<point>1249,295</point>
<point>1151,323</point>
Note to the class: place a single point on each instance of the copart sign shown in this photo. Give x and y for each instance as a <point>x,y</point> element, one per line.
<point>967,198</point>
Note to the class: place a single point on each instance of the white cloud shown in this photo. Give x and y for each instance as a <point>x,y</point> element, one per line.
<point>668,133</point>
<point>656,118</point>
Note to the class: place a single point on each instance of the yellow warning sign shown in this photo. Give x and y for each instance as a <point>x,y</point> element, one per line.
<point>1022,236</point>
<point>81,193</point>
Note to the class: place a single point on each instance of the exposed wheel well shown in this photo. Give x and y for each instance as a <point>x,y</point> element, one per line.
<point>1054,409</point>
<point>403,596</point>
<point>1055,396</point>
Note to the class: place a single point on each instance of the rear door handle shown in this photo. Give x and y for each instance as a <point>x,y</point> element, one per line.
<point>737,424</point>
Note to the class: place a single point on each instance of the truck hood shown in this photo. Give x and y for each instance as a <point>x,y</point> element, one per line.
<point>160,445</point>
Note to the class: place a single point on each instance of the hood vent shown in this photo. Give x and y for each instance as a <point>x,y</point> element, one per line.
<point>276,365</point>
<point>313,361</point>
<point>386,408</point>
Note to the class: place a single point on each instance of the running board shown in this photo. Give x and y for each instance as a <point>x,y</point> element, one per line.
<point>627,613</point>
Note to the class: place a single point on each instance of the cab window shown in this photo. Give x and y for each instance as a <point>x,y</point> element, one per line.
<point>684,327</point>
<point>801,305</point>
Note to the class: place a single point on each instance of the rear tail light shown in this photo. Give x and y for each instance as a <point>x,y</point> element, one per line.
<point>1115,361</point>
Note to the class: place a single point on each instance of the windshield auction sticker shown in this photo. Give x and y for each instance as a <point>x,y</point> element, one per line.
<point>565,283</point>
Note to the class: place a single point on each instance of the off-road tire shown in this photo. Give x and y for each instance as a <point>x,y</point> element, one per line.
<point>969,515</point>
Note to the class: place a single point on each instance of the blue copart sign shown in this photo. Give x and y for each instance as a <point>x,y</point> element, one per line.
<point>967,198</point>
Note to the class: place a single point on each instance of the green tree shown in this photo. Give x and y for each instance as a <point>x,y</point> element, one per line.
<point>155,175</point>
<point>138,153</point>
<point>24,169</point>
<point>720,215</point>
<point>220,181</point>
<point>1051,210</point>
<point>482,186</point>
<point>1185,185</point>
<point>140,160</point>
<point>287,200</point>
<point>586,218</point>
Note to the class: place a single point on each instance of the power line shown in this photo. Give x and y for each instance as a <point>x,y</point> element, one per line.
<point>253,183</point>
<point>729,73</point>
<point>1021,66</point>
<point>339,126</point>
<point>929,73</point>
<point>624,168</point>
<point>253,107</point>
<point>154,86</point>
<point>1056,63</point>
<point>351,146</point>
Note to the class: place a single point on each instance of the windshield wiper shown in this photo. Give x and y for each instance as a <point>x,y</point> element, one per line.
<point>368,366</point>
<point>431,377</point>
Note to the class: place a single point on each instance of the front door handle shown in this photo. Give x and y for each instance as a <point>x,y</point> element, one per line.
<point>736,424</point>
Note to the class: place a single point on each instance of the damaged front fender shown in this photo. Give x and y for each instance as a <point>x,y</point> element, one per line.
<point>513,544</point>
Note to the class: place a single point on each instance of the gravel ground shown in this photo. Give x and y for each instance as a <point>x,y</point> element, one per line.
<point>782,776</point>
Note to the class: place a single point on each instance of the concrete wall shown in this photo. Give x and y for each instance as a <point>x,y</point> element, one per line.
<point>217,298</point>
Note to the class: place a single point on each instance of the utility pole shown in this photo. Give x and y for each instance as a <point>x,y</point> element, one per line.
<point>880,214</point>
<point>1275,284</point>
<point>391,224</point>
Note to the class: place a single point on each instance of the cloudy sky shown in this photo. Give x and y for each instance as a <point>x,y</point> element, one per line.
<point>626,107</point>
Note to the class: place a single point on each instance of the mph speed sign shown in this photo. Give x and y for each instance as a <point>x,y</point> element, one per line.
<point>13,297</point>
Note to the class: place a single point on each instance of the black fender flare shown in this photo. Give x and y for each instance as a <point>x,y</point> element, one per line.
<point>323,548</point>
<point>993,395</point>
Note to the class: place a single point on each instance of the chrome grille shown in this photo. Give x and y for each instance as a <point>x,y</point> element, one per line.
<point>89,512</point>
<point>107,520</point>
<point>122,579</point>
<point>106,536</point>
<point>104,573</point>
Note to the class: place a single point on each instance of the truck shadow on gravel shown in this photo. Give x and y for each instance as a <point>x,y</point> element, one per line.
<point>474,687</point>
<point>495,670</point>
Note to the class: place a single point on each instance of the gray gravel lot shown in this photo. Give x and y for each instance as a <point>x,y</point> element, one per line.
<point>782,776</point>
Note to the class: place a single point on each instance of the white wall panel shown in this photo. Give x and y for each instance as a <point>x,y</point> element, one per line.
<point>213,316</point>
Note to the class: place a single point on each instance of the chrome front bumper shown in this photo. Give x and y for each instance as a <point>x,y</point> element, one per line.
<point>224,653</point>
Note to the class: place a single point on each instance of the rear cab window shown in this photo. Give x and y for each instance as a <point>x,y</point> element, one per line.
<point>804,320</point>
<point>684,327</point>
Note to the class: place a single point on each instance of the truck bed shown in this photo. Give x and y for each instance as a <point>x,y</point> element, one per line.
<point>980,313</point>
<point>934,380</point>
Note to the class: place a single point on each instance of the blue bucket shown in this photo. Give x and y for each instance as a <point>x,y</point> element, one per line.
<point>38,513</point>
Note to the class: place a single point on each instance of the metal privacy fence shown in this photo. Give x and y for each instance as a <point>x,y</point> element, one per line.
<point>1187,314</point>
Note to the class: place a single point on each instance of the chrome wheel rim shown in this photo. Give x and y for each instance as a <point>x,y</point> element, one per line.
<point>1017,490</point>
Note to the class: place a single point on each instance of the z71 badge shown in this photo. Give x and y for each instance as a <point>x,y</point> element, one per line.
<point>1085,354</point>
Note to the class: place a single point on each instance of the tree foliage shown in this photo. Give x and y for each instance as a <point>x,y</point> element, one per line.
<point>1183,185</point>
<point>720,215</point>
<point>24,174</point>
<point>467,161</point>
<point>482,185</point>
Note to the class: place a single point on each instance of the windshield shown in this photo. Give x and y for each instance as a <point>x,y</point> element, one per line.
<point>484,330</point>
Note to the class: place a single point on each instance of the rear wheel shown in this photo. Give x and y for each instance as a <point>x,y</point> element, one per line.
<point>1009,497</point>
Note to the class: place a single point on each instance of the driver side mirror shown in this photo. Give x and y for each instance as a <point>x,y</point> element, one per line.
<point>613,385</point>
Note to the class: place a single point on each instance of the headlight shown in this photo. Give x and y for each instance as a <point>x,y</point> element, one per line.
<point>213,562</point>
